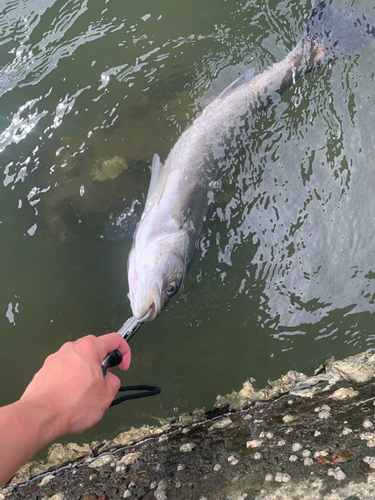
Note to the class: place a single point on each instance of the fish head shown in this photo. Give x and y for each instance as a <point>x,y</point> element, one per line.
<point>155,273</point>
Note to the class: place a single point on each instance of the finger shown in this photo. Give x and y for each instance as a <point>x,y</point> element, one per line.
<point>126,359</point>
<point>113,384</point>
<point>78,341</point>
<point>112,341</point>
<point>86,343</point>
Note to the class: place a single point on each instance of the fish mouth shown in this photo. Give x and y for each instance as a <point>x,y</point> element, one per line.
<point>150,315</point>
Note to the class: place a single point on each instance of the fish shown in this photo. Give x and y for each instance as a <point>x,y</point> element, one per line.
<point>181,190</point>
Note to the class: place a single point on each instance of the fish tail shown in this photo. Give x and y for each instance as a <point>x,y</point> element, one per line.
<point>333,34</point>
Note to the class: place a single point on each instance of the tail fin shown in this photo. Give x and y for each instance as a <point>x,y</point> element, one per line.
<point>336,34</point>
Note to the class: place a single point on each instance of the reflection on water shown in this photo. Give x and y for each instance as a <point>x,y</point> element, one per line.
<point>305,209</point>
<point>284,277</point>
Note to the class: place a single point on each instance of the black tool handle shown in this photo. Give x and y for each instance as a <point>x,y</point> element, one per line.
<point>113,358</point>
<point>127,331</point>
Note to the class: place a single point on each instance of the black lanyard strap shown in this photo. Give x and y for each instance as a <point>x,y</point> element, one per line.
<point>150,390</point>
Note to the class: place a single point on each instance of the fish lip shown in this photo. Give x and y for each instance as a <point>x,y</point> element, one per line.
<point>150,314</point>
<point>155,307</point>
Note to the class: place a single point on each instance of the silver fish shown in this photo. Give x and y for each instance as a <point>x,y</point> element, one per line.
<point>180,190</point>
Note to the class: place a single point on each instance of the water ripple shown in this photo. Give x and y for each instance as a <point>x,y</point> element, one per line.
<point>38,52</point>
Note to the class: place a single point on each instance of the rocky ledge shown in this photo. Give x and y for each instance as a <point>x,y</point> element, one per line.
<point>301,437</point>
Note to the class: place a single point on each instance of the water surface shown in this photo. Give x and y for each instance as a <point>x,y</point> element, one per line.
<point>284,277</point>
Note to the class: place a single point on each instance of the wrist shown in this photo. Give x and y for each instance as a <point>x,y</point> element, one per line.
<point>45,417</point>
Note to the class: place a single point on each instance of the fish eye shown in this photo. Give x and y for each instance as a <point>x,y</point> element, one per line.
<point>171,288</point>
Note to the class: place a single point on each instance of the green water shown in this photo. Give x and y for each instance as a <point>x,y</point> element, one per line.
<point>284,277</point>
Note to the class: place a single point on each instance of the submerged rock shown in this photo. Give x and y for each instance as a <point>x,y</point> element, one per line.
<point>108,168</point>
<point>301,437</point>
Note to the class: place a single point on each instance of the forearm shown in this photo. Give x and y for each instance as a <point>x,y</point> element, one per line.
<point>25,427</point>
<point>43,414</point>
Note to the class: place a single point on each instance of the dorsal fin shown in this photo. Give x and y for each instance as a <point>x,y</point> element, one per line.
<point>155,171</point>
<point>245,78</point>
<point>159,176</point>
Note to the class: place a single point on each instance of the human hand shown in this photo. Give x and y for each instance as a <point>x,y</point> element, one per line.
<point>71,383</point>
